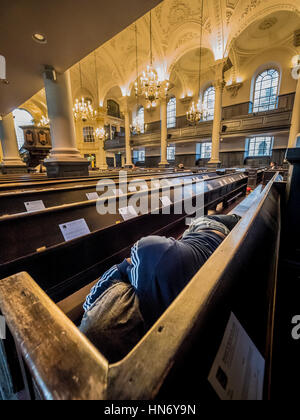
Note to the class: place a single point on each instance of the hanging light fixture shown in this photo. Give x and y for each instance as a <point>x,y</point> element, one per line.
<point>44,122</point>
<point>83,109</point>
<point>136,126</point>
<point>151,87</point>
<point>197,112</point>
<point>99,133</point>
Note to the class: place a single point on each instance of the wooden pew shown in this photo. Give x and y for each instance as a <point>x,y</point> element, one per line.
<point>58,265</point>
<point>268,175</point>
<point>175,357</point>
<point>255,176</point>
<point>13,202</point>
<point>43,182</point>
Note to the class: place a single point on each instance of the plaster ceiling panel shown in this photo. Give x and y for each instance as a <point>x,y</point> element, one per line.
<point>268,31</point>
<point>73,29</point>
<point>189,63</point>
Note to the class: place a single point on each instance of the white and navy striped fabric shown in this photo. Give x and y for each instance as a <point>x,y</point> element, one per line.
<point>98,289</point>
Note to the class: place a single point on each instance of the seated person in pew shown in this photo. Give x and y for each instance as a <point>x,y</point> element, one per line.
<point>130,297</point>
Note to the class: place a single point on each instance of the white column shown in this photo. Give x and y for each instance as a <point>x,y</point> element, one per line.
<point>295,124</point>
<point>164,133</point>
<point>128,163</point>
<point>12,162</point>
<point>219,87</point>
<point>102,155</point>
<point>64,156</point>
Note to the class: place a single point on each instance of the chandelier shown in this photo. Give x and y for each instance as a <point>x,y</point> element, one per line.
<point>151,87</point>
<point>197,113</point>
<point>100,134</point>
<point>83,109</point>
<point>44,122</point>
<point>136,126</point>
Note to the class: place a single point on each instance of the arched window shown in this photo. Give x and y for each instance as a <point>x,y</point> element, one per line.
<point>266,91</point>
<point>171,113</point>
<point>113,108</point>
<point>209,102</point>
<point>21,118</point>
<point>88,135</point>
<point>141,119</point>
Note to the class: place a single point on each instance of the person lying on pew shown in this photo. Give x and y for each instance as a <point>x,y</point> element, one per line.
<point>130,297</point>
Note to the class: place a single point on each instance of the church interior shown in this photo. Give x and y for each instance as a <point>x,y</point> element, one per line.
<point>130,130</point>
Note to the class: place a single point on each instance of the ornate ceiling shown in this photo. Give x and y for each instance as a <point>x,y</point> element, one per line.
<point>235,28</point>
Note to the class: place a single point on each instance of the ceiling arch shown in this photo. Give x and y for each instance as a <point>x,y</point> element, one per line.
<point>240,29</point>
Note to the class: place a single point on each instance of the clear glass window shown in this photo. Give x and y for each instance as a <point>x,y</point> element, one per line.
<point>141,119</point>
<point>209,102</point>
<point>88,135</point>
<point>21,118</point>
<point>171,153</point>
<point>266,91</point>
<point>260,146</point>
<point>203,150</point>
<point>171,113</point>
<point>139,155</point>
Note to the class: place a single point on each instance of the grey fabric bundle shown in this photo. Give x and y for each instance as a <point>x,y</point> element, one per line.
<point>114,324</point>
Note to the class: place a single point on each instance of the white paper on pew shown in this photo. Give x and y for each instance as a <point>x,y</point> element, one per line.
<point>238,370</point>
<point>32,206</point>
<point>166,201</point>
<point>92,196</point>
<point>131,189</point>
<point>210,187</point>
<point>75,229</point>
<point>128,212</point>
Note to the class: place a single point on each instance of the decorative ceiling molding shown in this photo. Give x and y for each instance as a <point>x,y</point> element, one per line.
<point>175,34</point>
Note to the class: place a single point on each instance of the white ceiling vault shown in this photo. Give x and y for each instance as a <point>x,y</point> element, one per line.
<point>238,29</point>
<point>72,29</point>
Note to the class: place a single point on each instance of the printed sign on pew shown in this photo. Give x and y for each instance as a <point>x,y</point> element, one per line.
<point>74,230</point>
<point>33,206</point>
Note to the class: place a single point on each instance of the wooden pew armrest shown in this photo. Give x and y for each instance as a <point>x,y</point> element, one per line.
<point>62,362</point>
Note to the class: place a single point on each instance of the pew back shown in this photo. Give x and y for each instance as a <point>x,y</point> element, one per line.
<point>175,357</point>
